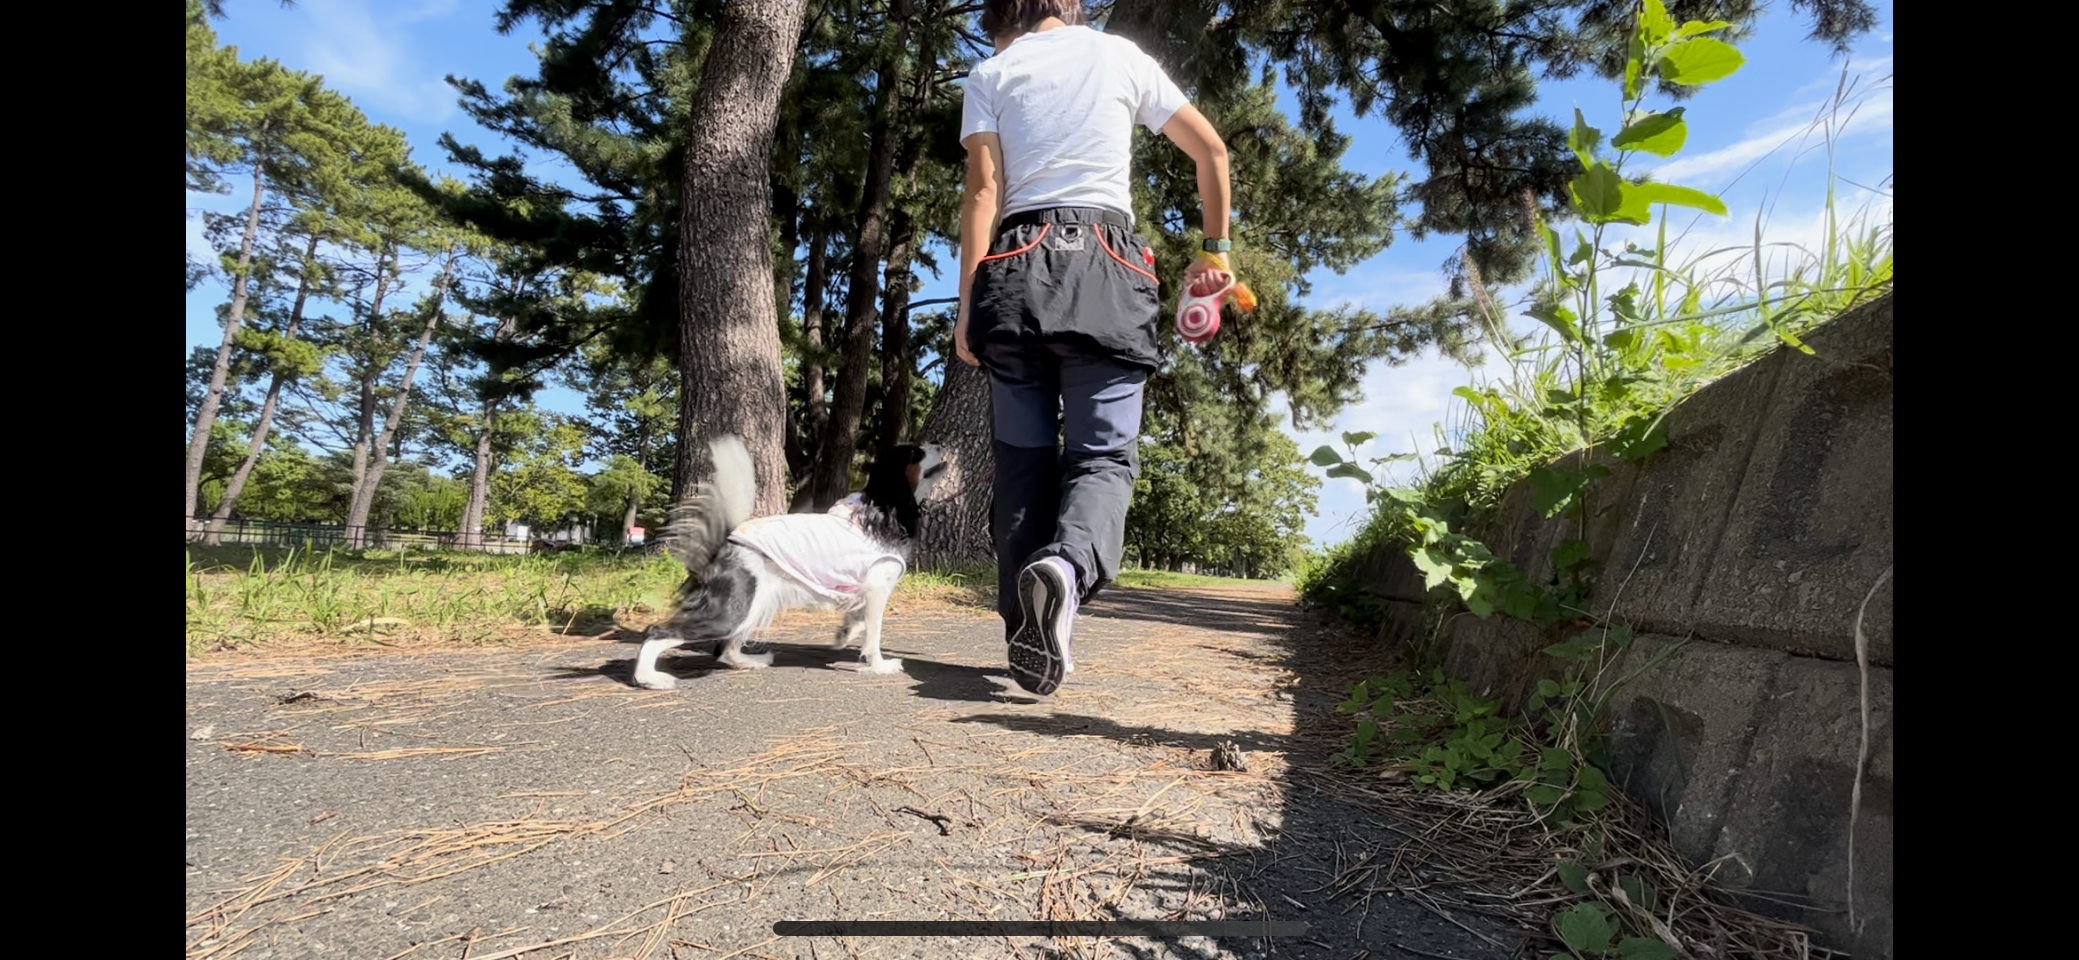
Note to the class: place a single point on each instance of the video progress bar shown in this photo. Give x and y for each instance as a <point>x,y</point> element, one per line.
<point>1039,928</point>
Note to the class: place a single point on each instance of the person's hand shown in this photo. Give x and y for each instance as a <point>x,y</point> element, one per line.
<point>960,340</point>
<point>1209,269</point>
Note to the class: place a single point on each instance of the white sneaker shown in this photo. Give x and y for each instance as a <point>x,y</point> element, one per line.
<point>1040,650</point>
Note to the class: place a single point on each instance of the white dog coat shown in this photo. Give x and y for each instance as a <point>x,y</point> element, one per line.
<point>826,552</point>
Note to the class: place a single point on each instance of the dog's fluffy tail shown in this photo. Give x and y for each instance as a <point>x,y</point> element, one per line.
<point>703,519</point>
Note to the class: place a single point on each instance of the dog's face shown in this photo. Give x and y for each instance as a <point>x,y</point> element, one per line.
<point>927,464</point>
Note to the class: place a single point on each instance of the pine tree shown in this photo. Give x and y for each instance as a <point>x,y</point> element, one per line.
<point>280,128</point>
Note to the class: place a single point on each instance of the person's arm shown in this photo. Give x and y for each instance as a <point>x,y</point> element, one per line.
<point>978,218</point>
<point>1194,134</point>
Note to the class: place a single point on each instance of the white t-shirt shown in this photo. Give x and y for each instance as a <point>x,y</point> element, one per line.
<point>1064,102</point>
<point>826,552</point>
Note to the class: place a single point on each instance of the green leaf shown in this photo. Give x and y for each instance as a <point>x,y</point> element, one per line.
<point>1654,22</point>
<point>1582,139</point>
<point>1598,194</point>
<point>1660,134</point>
<point>1583,250</point>
<point>1359,699</point>
<point>1698,61</point>
<point>1621,340</point>
<point>1325,456</point>
<point>1644,948</point>
<point>1574,876</point>
<point>1651,193</point>
<point>1585,928</point>
<point>1696,28</point>
<point>1635,66</point>
<point>1435,569</point>
<point>1352,471</point>
<point>1640,892</point>
<point>1357,439</point>
<point>1569,554</point>
<point>1552,490</point>
<point>1558,317</point>
<point>1640,438</point>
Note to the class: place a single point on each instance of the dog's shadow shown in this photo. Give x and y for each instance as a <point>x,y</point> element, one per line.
<point>932,679</point>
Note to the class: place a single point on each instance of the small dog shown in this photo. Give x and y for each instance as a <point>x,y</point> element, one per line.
<point>741,572</point>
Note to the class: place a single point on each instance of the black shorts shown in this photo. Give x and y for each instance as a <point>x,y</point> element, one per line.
<point>1073,277</point>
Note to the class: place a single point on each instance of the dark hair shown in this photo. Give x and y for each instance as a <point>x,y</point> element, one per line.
<point>888,494</point>
<point>1017,17</point>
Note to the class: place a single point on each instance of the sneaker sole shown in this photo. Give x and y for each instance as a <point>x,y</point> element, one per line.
<point>1035,654</point>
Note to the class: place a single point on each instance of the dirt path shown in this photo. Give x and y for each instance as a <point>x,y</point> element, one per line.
<point>469,804</point>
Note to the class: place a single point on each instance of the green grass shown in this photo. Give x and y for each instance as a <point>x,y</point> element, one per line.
<point>1164,578</point>
<point>244,596</point>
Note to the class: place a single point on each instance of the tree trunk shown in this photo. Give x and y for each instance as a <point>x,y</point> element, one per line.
<point>372,475</point>
<point>897,365</point>
<point>206,415</point>
<point>236,485</point>
<point>956,518</point>
<point>364,425</point>
<point>841,434</point>
<point>628,518</point>
<point>814,291</point>
<point>729,356</point>
<point>479,482</point>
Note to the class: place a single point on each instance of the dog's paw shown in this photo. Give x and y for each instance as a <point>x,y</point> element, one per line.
<point>885,665</point>
<point>660,681</point>
<point>748,661</point>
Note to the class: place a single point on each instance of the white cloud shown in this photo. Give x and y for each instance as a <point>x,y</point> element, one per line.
<point>1800,131</point>
<point>363,58</point>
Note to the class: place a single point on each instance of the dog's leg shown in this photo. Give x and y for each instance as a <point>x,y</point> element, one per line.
<point>880,585</point>
<point>646,673</point>
<point>733,656</point>
<point>848,632</point>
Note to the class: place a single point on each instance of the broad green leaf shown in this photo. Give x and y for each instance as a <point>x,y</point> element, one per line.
<point>1654,21</point>
<point>1574,876</point>
<point>1660,134</point>
<point>1358,438</point>
<point>1569,554</point>
<point>1621,340</point>
<point>1558,317</point>
<point>1668,193</point>
<point>1641,437</point>
<point>1398,457</point>
<point>1435,569</point>
<point>1697,28</point>
<point>1359,699</point>
<point>1551,490</point>
<point>1640,891</point>
<point>1582,139</point>
<point>1643,948</point>
<point>1352,471</point>
<point>1585,928</point>
<point>1635,66</point>
<point>1698,61</point>
<point>1325,456</point>
<point>1597,194</point>
<point>1583,250</point>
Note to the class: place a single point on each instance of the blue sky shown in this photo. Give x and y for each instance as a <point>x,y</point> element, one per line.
<point>1747,139</point>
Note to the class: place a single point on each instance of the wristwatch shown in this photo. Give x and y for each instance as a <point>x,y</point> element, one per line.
<point>1216,245</point>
